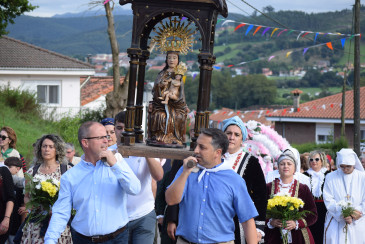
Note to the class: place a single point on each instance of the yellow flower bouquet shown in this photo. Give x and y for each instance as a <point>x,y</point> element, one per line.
<point>285,207</point>
<point>43,193</point>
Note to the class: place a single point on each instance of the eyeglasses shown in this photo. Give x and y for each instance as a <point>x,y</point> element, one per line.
<point>3,137</point>
<point>312,159</point>
<point>98,137</point>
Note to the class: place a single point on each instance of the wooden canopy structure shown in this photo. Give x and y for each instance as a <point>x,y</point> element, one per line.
<point>146,15</point>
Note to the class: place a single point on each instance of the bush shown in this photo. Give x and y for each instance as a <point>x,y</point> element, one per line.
<point>23,101</point>
<point>92,115</point>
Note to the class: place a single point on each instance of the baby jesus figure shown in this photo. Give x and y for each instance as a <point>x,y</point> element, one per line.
<point>173,85</point>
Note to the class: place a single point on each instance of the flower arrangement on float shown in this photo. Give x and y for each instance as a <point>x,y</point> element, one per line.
<point>285,207</point>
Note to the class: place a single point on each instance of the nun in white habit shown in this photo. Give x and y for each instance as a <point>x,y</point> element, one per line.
<point>345,184</point>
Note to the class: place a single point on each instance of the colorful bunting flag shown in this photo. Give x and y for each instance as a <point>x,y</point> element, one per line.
<point>329,45</point>
<point>106,1</point>
<point>257,29</point>
<point>272,33</point>
<point>343,42</point>
<point>266,29</point>
<point>239,26</point>
<point>288,53</point>
<point>315,37</point>
<point>281,32</point>
<point>248,29</point>
<point>271,57</point>
<point>305,50</point>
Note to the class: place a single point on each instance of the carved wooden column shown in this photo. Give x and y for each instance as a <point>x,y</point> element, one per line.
<point>139,101</point>
<point>206,61</point>
<point>128,134</point>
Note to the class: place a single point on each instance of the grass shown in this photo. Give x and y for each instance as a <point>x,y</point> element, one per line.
<point>349,53</point>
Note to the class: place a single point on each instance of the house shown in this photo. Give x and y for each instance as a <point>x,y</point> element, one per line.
<point>258,115</point>
<point>54,78</point>
<point>319,120</point>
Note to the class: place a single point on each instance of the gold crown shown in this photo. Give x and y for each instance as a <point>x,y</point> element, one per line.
<point>180,69</point>
<point>174,35</point>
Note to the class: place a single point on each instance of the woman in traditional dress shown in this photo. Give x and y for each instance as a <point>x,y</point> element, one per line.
<point>49,153</point>
<point>286,184</point>
<point>248,167</point>
<point>317,173</point>
<point>167,121</point>
<point>345,185</point>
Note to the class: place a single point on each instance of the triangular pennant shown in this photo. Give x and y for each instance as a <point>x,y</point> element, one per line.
<point>239,26</point>
<point>257,29</point>
<point>248,29</point>
<point>306,34</point>
<point>351,37</point>
<point>290,32</point>
<point>219,20</point>
<point>288,53</point>
<point>272,33</point>
<point>238,112</point>
<point>271,57</point>
<point>106,1</point>
<point>329,45</point>
<point>183,18</point>
<point>315,37</point>
<point>227,21</point>
<point>266,29</point>
<point>324,106</point>
<point>343,40</point>
<point>331,105</point>
<point>229,66</point>
<point>305,50</point>
<point>242,63</point>
<point>184,79</point>
<point>217,67</point>
<point>301,33</point>
<point>298,109</point>
<point>281,32</point>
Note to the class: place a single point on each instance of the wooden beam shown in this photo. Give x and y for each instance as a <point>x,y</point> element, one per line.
<point>142,150</point>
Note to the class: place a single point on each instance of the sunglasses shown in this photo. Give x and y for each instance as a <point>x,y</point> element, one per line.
<point>3,137</point>
<point>312,159</point>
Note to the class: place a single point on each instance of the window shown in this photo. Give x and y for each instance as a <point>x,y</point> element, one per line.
<point>324,133</point>
<point>48,94</point>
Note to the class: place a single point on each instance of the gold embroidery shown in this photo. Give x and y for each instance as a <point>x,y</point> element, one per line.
<point>305,235</point>
<point>305,222</point>
<point>296,189</point>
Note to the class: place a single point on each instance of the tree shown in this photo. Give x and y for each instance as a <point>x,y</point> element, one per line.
<point>10,9</point>
<point>116,100</point>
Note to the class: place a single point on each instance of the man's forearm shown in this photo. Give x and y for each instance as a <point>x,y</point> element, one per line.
<point>175,191</point>
<point>249,228</point>
<point>155,169</point>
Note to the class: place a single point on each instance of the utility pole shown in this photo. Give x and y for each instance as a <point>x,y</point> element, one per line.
<point>357,80</point>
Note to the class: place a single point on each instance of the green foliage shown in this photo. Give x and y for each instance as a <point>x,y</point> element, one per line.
<point>10,10</point>
<point>68,129</point>
<point>23,101</point>
<point>91,115</point>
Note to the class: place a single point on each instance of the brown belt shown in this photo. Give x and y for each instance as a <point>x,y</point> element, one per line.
<point>189,242</point>
<point>103,238</point>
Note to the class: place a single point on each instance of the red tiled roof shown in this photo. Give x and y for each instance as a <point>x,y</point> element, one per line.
<point>257,115</point>
<point>325,108</point>
<point>18,54</point>
<point>95,87</point>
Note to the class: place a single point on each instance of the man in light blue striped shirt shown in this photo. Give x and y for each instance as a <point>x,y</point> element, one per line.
<point>97,189</point>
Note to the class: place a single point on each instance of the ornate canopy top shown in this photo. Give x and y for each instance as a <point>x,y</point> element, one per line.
<point>220,5</point>
<point>174,35</point>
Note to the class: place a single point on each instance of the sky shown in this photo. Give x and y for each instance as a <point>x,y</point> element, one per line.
<point>48,8</point>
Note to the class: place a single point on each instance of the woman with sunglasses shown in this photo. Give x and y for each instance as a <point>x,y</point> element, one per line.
<point>317,174</point>
<point>345,185</point>
<point>50,163</point>
<point>8,140</point>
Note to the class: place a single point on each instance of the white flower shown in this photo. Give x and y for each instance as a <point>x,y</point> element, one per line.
<point>251,125</point>
<point>344,204</point>
<point>38,186</point>
<point>282,194</point>
<point>56,182</point>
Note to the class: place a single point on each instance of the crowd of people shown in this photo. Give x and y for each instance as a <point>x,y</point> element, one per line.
<point>105,198</point>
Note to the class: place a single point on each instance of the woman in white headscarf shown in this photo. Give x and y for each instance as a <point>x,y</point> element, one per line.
<point>345,185</point>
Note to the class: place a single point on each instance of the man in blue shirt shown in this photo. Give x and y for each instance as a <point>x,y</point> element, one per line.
<point>211,196</point>
<point>97,189</point>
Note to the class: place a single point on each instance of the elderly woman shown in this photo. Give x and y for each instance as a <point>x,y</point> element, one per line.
<point>248,167</point>
<point>345,185</point>
<point>286,184</point>
<point>317,174</point>
<point>7,199</point>
<point>8,141</point>
<point>49,152</point>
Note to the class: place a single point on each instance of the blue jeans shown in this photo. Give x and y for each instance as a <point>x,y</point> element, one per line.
<point>142,230</point>
<point>122,238</point>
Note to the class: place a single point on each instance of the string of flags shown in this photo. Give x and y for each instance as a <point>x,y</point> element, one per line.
<point>280,31</point>
<point>288,53</point>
